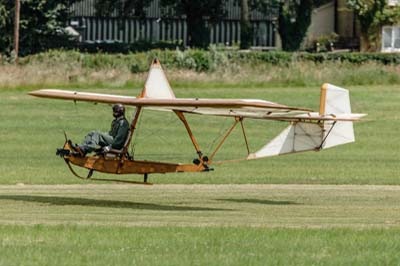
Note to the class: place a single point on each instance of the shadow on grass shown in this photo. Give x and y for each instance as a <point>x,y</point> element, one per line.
<point>259,201</point>
<point>63,201</point>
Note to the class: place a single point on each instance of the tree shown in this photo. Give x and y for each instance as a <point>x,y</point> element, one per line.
<point>372,15</point>
<point>293,17</point>
<point>293,22</point>
<point>246,31</point>
<point>6,36</point>
<point>42,25</point>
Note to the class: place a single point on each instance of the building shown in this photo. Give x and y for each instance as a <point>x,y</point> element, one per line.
<point>391,33</point>
<point>333,17</point>
<point>156,27</point>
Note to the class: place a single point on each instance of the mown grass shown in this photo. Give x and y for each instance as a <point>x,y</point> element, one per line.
<point>199,225</point>
<point>267,206</point>
<point>32,128</point>
<point>47,245</point>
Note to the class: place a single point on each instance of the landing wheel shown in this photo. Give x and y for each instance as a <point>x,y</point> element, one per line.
<point>146,175</point>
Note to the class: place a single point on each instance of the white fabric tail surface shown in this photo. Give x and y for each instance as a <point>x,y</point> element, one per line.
<point>295,138</point>
<point>337,102</point>
<point>304,136</point>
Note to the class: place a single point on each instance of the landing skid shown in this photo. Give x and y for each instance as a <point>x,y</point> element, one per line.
<point>91,171</point>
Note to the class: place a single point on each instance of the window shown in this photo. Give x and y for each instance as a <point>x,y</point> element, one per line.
<point>393,2</point>
<point>391,39</point>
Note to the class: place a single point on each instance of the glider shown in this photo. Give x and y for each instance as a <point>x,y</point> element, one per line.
<point>308,130</point>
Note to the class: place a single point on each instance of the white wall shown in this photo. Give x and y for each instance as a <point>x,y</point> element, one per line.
<point>322,21</point>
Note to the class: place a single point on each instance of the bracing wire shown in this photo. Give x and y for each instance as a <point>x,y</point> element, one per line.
<point>221,132</point>
<point>146,133</point>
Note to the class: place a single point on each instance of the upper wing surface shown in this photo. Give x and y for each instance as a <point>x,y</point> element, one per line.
<point>183,104</point>
<point>219,107</point>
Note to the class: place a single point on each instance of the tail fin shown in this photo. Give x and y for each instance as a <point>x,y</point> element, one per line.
<point>336,101</point>
<point>157,85</point>
<point>304,136</point>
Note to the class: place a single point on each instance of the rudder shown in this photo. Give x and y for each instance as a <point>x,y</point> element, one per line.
<point>335,101</point>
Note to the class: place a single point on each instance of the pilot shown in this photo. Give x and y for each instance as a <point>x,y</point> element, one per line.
<point>114,139</point>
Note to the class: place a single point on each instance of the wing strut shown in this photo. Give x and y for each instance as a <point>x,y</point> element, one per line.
<point>244,135</point>
<point>237,119</point>
<point>132,129</point>
<point>194,141</point>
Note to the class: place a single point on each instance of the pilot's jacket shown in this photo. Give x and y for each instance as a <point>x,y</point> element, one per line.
<point>116,137</point>
<point>119,131</point>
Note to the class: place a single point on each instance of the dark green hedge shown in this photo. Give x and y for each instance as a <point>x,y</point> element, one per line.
<point>205,60</point>
<point>356,58</point>
<point>202,58</point>
<point>285,57</point>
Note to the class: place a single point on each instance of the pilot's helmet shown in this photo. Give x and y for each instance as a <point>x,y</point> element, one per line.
<point>118,110</point>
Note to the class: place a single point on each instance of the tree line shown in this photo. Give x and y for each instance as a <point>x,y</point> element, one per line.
<point>43,22</point>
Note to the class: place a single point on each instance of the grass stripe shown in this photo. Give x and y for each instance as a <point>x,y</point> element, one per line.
<point>85,245</point>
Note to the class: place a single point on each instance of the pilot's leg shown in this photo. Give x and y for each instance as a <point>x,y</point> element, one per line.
<point>95,140</point>
<point>90,143</point>
<point>105,139</point>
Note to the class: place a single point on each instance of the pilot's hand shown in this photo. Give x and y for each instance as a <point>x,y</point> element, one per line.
<point>106,149</point>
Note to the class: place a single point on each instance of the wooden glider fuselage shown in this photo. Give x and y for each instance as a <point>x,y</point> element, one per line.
<point>307,130</point>
<point>113,164</point>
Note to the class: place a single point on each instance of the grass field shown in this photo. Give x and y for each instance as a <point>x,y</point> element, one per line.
<point>266,206</point>
<point>72,245</point>
<point>335,207</point>
<point>199,225</point>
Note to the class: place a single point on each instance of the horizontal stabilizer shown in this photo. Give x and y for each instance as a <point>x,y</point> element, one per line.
<point>334,128</point>
<point>295,138</point>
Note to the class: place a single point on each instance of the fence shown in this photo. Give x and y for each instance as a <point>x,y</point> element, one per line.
<point>129,30</point>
